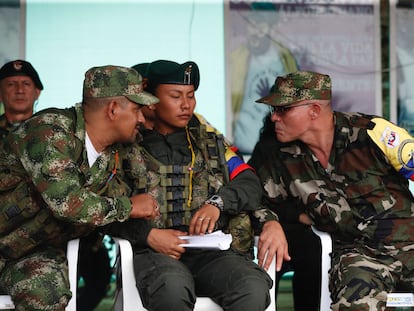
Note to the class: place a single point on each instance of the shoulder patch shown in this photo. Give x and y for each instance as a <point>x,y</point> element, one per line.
<point>396,144</point>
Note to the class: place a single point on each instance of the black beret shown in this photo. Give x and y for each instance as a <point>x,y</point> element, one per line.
<point>169,72</point>
<point>20,68</point>
<point>142,69</point>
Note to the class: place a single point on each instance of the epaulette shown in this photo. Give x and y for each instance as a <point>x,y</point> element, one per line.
<point>203,121</point>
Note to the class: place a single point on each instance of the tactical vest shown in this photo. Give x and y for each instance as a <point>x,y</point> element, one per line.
<point>172,186</point>
<point>177,192</point>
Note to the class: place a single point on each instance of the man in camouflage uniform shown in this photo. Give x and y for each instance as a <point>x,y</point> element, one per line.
<point>347,174</point>
<point>20,88</point>
<point>304,244</point>
<point>60,178</point>
<point>200,184</point>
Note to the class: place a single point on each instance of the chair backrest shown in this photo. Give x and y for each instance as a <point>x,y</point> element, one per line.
<point>326,243</point>
<point>6,302</point>
<point>128,299</point>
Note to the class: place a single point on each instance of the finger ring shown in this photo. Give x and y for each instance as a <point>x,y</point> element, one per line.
<point>200,218</point>
<point>208,218</point>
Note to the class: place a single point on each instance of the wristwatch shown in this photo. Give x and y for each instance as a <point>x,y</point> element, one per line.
<point>217,201</point>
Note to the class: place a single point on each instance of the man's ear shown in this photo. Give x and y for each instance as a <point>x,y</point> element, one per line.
<point>112,109</point>
<point>315,111</point>
<point>37,94</point>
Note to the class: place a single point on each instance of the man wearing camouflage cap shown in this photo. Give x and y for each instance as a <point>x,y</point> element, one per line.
<point>346,174</point>
<point>61,177</point>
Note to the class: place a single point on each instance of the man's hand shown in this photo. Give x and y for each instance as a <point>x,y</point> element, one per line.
<point>204,219</point>
<point>144,206</point>
<point>167,241</point>
<point>272,242</point>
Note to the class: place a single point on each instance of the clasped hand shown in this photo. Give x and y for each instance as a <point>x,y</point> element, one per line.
<point>144,206</point>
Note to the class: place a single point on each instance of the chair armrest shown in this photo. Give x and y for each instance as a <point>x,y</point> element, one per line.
<point>72,256</point>
<point>326,243</point>
<point>130,295</point>
<point>6,303</point>
<point>272,273</point>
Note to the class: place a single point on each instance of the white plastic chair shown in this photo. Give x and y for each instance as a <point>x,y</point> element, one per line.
<point>72,254</point>
<point>128,298</point>
<point>326,242</point>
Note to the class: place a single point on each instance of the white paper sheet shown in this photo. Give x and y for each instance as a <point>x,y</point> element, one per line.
<point>215,240</point>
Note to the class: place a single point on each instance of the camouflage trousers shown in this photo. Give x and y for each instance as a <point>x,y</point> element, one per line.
<point>38,281</point>
<point>361,276</point>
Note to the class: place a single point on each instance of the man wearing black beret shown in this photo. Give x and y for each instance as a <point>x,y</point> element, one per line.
<point>20,88</point>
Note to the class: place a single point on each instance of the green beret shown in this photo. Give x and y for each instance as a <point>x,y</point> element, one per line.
<point>20,68</point>
<point>169,72</point>
<point>109,81</point>
<point>296,87</point>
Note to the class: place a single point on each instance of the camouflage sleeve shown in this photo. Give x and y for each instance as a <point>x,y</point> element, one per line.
<point>50,152</point>
<point>261,160</point>
<point>260,217</point>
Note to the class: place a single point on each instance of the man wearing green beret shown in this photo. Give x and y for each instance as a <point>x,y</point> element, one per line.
<point>346,174</point>
<point>201,186</point>
<point>61,178</point>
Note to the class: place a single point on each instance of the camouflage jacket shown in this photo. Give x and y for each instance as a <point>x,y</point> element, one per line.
<point>48,192</point>
<point>363,195</point>
<point>5,128</point>
<point>241,194</point>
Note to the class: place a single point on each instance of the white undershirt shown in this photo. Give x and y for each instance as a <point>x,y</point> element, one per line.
<point>90,151</point>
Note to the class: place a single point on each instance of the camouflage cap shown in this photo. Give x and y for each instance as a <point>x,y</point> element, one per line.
<point>296,87</point>
<point>109,81</point>
<point>20,68</point>
<point>169,72</point>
